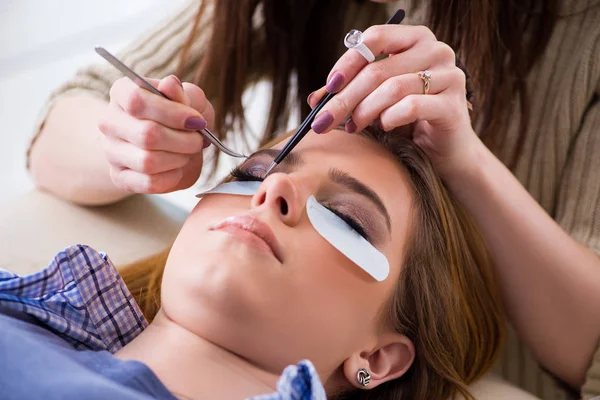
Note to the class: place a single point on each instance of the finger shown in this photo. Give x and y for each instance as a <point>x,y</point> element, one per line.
<point>416,59</point>
<point>191,172</point>
<point>367,80</point>
<point>172,87</point>
<point>142,104</point>
<point>152,81</point>
<point>316,96</point>
<point>148,135</point>
<point>199,102</point>
<point>123,86</point>
<point>136,182</point>
<point>209,115</point>
<point>395,89</point>
<point>196,95</point>
<point>380,39</point>
<point>125,155</point>
<point>416,107</point>
<point>128,82</point>
<point>420,57</point>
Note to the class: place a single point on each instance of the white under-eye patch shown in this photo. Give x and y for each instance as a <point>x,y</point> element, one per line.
<point>241,188</point>
<point>331,227</point>
<point>348,242</point>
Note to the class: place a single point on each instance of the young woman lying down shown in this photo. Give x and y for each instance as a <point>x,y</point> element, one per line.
<point>348,273</point>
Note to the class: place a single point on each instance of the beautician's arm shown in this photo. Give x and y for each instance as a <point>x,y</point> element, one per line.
<point>550,283</point>
<point>67,158</point>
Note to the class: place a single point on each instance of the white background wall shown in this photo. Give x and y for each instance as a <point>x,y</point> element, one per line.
<point>43,43</point>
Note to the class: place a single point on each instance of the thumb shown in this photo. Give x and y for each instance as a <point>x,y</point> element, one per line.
<point>316,96</point>
<point>172,88</point>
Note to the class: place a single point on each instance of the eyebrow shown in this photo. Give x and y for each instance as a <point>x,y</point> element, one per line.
<point>342,178</point>
<point>295,159</point>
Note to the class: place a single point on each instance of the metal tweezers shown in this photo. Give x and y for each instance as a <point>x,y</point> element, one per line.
<point>144,84</point>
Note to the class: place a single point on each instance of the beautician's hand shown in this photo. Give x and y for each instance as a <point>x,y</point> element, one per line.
<point>391,90</point>
<point>150,142</point>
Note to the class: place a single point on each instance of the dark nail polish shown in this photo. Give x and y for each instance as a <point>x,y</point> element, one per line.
<point>322,122</point>
<point>195,123</point>
<point>350,126</point>
<point>335,82</point>
<point>205,143</point>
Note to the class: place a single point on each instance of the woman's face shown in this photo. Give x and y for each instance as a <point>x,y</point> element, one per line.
<point>297,297</point>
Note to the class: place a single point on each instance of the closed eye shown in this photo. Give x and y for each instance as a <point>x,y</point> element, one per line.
<point>351,222</point>
<point>246,175</point>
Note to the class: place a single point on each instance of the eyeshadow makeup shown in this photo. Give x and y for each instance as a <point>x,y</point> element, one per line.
<point>330,226</point>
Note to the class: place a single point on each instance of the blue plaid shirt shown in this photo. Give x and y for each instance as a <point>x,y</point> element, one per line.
<point>81,297</point>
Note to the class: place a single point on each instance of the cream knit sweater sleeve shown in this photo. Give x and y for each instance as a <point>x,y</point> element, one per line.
<point>154,54</point>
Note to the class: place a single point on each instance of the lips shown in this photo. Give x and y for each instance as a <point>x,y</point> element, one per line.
<point>256,227</point>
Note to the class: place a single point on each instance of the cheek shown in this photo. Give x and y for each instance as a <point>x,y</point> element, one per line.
<point>190,246</point>
<point>346,297</point>
<point>208,212</point>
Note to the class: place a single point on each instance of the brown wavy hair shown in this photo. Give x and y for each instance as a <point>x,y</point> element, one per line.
<point>498,41</point>
<point>446,299</point>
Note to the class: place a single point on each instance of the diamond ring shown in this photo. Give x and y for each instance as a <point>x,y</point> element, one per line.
<point>426,77</point>
<point>354,40</point>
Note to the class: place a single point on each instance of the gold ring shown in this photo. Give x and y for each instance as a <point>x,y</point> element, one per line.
<point>426,77</point>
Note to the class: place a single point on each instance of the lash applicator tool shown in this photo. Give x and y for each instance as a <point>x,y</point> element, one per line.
<point>305,126</point>
<point>144,84</point>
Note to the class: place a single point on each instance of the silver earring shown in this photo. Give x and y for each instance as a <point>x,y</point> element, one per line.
<point>363,377</point>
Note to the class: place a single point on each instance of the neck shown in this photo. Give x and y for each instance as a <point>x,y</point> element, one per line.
<point>191,367</point>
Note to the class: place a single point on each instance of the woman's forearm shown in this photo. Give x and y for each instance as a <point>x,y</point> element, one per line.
<point>550,283</point>
<point>67,158</point>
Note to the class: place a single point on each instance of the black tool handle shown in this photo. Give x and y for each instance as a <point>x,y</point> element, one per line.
<point>303,129</point>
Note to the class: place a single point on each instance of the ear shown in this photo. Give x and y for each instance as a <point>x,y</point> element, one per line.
<point>390,359</point>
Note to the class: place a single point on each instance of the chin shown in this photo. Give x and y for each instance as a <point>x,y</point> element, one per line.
<point>213,273</point>
<point>210,290</point>
<point>222,271</point>
<point>222,297</point>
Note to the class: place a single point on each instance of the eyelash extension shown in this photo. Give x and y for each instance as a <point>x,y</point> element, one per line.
<point>351,222</point>
<point>239,174</point>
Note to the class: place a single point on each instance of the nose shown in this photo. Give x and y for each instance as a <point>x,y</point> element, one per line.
<point>280,196</point>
